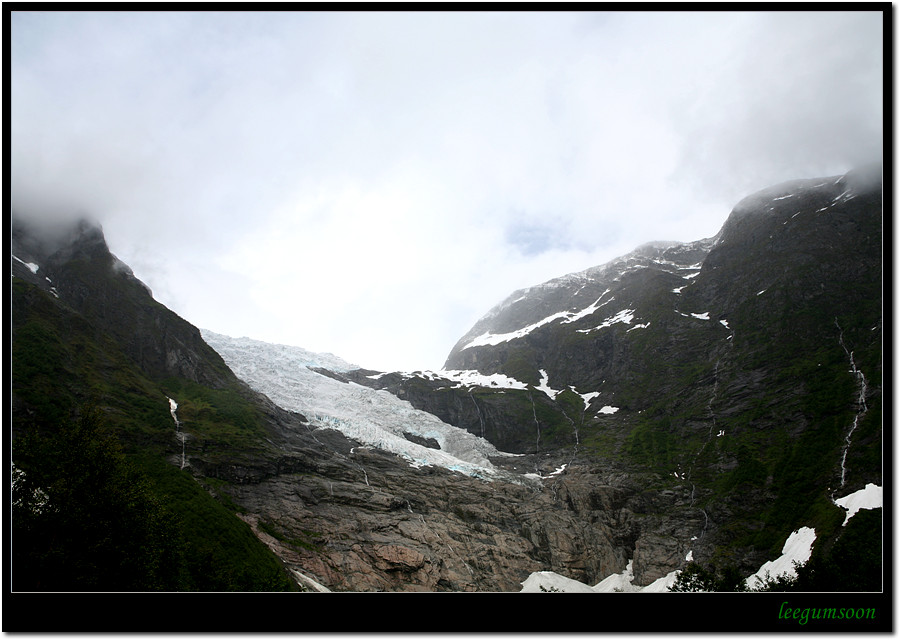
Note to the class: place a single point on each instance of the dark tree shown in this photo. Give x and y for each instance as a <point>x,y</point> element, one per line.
<point>84,519</point>
<point>695,577</point>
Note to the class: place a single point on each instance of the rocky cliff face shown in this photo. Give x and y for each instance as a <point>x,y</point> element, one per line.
<point>395,529</point>
<point>73,263</point>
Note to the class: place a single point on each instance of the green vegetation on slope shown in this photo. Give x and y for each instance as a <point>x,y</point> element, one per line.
<point>121,517</point>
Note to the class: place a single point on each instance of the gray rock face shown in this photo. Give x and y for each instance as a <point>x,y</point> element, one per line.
<point>392,529</point>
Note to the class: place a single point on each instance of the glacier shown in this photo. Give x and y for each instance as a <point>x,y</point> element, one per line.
<point>375,418</point>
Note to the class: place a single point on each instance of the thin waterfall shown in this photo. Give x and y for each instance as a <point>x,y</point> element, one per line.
<point>861,407</point>
<point>537,444</point>
<point>478,411</point>
<point>181,435</point>
<point>173,407</point>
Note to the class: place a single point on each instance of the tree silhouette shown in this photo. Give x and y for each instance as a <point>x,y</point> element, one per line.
<point>84,519</point>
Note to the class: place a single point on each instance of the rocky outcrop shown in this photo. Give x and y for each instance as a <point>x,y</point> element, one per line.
<point>377,527</point>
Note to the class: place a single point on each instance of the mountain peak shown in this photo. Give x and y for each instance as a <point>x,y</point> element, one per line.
<point>45,235</point>
<point>786,200</point>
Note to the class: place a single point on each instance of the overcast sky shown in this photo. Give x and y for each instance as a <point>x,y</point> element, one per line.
<point>370,184</point>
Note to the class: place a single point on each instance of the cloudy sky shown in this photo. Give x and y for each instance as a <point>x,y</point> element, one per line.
<point>371,183</point>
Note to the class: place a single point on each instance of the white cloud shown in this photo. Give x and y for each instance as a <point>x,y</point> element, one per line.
<point>371,183</point>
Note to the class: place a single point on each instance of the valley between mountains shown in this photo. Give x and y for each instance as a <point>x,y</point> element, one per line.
<point>713,405</point>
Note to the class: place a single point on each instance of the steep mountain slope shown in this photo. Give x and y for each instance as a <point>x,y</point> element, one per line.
<point>74,264</point>
<point>88,342</point>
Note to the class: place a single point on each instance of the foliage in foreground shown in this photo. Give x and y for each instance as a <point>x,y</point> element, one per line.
<point>852,563</point>
<point>696,577</point>
<point>85,518</point>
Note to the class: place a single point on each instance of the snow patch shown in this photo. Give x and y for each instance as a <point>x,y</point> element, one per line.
<point>473,378</point>
<point>845,196</point>
<point>545,387</point>
<point>869,498</point>
<point>587,397</point>
<point>589,309</point>
<point>608,410</point>
<point>618,582</point>
<point>309,583</point>
<point>557,471</point>
<point>491,339</point>
<point>797,548</point>
<point>625,316</point>
<point>661,585</point>
<point>548,581</point>
<point>31,266</point>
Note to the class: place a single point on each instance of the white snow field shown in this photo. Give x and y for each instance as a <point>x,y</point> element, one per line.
<point>566,316</point>
<point>374,418</point>
<point>548,581</point>
<point>467,378</point>
<point>797,548</point>
<point>869,498</point>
